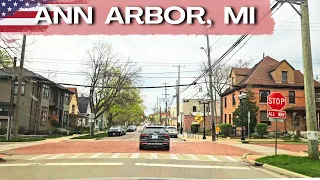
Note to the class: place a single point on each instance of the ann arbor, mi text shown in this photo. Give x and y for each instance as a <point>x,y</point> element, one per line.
<point>146,15</point>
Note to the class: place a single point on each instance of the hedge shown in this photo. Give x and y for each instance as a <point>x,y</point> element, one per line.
<point>225,129</point>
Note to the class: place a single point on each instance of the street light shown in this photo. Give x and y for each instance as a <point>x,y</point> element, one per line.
<point>242,96</point>
<point>204,118</point>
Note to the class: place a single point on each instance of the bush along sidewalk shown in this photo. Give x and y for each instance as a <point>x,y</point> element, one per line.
<point>292,166</point>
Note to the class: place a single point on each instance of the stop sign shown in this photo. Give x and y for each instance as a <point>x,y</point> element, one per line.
<point>276,101</point>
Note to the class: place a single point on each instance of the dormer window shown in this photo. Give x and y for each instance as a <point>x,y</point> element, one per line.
<point>284,76</point>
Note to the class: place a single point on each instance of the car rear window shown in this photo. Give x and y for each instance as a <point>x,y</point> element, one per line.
<point>115,128</point>
<point>154,130</point>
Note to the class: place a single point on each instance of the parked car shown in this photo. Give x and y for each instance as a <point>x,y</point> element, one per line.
<point>116,131</point>
<point>154,136</point>
<point>172,131</point>
<point>131,128</point>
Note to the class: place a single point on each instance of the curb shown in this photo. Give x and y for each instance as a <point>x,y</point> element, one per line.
<point>182,138</point>
<point>273,168</point>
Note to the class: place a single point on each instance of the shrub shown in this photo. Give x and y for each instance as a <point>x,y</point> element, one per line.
<point>195,128</point>
<point>255,135</point>
<point>262,129</point>
<point>225,129</point>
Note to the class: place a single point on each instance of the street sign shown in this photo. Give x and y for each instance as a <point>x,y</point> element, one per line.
<point>276,114</point>
<point>275,120</point>
<point>276,101</point>
<point>198,118</point>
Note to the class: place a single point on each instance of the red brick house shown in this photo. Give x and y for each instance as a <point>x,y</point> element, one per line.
<point>267,76</point>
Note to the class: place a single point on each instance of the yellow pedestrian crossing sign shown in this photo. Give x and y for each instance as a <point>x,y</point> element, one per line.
<point>198,118</point>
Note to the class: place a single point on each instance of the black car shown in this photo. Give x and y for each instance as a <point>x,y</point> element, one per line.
<point>116,131</point>
<point>154,136</point>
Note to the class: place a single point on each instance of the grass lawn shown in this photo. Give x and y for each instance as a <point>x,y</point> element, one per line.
<point>301,165</point>
<point>31,138</point>
<point>96,136</point>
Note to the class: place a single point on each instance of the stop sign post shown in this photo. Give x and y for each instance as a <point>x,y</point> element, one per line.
<point>276,101</point>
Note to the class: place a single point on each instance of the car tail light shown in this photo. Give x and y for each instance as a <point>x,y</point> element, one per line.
<point>144,135</point>
<point>167,136</point>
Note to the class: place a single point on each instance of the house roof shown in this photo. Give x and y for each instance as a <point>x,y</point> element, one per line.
<point>260,75</point>
<point>74,90</point>
<point>83,104</point>
<point>241,71</point>
<point>26,73</point>
<point>29,74</point>
<point>3,74</point>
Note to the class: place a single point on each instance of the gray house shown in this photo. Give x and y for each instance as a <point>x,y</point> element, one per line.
<point>35,100</point>
<point>84,111</point>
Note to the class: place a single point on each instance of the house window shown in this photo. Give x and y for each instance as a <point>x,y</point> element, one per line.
<point>61,100</point>
<point>39,91</point>
<point>225,102</point>
<point>66,99</point>
<point>229,118</point>
<point>45,93</point>
<point>233,99</point>
<point>284,76</point>
<point>264,118</point>
<point>292,97</point>
<point>225,118</point>
<point>44,117</point>
<point>264,95</point>
<point>194,108</point>
<point>73,109</point>
<point>23,84</point>
<point>4,111</point>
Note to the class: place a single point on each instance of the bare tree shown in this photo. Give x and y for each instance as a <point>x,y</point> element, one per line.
<point>220,79</point>
<point>108,77</point>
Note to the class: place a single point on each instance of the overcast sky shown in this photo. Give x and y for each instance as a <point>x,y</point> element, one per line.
<point>158,54</point>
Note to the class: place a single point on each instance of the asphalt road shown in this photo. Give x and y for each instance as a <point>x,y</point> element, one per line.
<point>134,136</point>
<point>128,168</point>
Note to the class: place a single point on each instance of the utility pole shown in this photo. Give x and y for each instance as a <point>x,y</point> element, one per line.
<point>166,99</point>
<point>313,149</point>
<point>211,90</point>
<point>178,94</point>
<point>10,115</point>
<point>312,133</point>
<point>17,114</point>
<point>160,110</point>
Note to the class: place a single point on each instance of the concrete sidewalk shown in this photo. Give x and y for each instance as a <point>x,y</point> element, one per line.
<point>263,150</point>
<point>5,146</point>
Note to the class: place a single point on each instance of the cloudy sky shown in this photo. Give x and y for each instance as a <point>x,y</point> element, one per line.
<point>157,55</point>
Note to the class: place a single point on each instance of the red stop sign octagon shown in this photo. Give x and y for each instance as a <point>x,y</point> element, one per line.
<point>276,101</point>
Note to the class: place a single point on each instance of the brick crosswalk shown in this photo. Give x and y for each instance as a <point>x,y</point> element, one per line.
<point>190,157</point>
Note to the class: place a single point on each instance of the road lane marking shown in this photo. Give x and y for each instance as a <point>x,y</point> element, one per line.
<point>193,157</point>
<point>212,158</point>
<point>230,158</point>
<point>54,157</point>
<point>173,156</point>
<point>191,166</point>
<point>154,156</point>
<point>116,155</point>
<point>85,164</point>
<point>135,155</point>
<point>38,157</point>
<point>22,164</point>
<point>64,164</point>
<point>77,155</point>
<point>96,155</point>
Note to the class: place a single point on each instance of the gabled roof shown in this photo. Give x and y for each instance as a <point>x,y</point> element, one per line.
<point>260,75</point>
<point>83,104</point>
<point>26,73</point>
<point>283,61</point>
<point>3,74</point>
<point>241,71</point>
